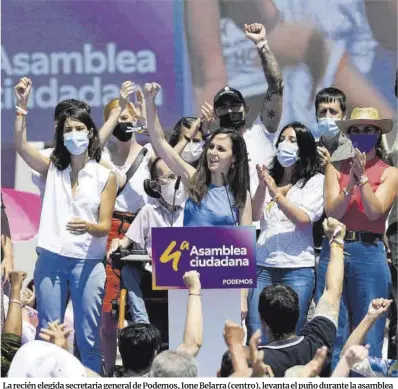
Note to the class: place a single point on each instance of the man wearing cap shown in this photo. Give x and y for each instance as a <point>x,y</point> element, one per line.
<point>360,195</point>
<point>231,109</point>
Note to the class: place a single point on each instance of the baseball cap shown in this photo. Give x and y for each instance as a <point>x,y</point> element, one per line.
<point>228,93</point>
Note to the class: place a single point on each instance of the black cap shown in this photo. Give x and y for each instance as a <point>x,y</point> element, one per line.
<point>228,93</point>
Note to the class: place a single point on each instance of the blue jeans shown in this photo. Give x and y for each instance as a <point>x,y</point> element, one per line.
<point>131,278</point>
<point>366,277</point>
<point>301,280</point>
<point>54,277</point>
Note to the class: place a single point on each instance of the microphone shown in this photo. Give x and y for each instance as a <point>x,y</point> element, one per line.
<point>224,181</point>
<point>176,187</point>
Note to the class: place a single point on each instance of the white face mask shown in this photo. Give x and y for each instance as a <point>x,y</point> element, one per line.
<point>167,192</point>
<point>76,142</point>
<point>287,153</point>
<point>192,151</point>
<point>327,127</point>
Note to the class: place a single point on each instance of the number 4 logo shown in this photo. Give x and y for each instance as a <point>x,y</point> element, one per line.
<point>168,255</point>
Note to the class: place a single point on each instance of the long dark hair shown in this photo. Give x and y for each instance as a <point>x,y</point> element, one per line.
<point>61,156</point>
<point>238,176</point>
<point>307,165</point>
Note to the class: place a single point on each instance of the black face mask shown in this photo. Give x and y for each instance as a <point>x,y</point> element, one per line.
<point>120,131</point>
<point>232,120</point>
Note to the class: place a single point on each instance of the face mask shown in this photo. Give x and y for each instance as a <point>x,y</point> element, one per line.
<point>167,192</point>
<point>287,154</point>
<point>327,127</point>
<point>192,151</point>
<point>123,131</point>
<point>76,142</point>
<point>364,142</point>
<point>232,120</point>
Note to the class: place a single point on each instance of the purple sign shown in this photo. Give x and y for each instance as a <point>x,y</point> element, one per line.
<point>225,257</point>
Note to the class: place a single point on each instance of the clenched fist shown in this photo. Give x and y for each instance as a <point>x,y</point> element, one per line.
<point>151,90</point>
<point>255,32</point>
<point>333,228</point>
<point>22,91</point>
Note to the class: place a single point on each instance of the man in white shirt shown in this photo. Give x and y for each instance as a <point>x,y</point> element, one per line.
<point>159,212</point>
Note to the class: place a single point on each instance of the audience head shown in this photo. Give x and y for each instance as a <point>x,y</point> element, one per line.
<point>173,363</point>
<point>230,107</point>
<point>279,310</point>
<point>194,148</point>
<point>75,134</point>
<point>138,345</point>
<point>330,105</point>
<point>225,155</point>
<point>39,359</point>
<point>295,147</point>
<point>123,131</point>
<point>365,129</point>
<point>162,184</point>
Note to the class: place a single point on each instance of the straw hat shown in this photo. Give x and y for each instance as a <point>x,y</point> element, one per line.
<point>365,115</point>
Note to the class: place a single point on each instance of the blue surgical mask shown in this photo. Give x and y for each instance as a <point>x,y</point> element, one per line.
<point>76,142</point>
<point>287,153</point>
<point>364,142</point>
<point>327,127</point>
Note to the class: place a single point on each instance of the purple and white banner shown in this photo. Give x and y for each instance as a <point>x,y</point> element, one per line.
<point>225,257</point>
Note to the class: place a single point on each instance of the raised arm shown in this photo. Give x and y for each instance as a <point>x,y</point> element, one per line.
<point>36,160</point>
<point>271,112</point>
<point>329,303</point>
<point>7,264</point>
<point>126,89</point>
<point>376,204</point>
<point>193,333</point>
<point>162,148</point>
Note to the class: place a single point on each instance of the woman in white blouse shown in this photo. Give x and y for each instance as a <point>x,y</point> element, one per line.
<point>288,200</point>
<point>75,220</point>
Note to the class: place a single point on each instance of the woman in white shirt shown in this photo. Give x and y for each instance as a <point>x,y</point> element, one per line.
<point>75,220</point>
<point>288,200</point>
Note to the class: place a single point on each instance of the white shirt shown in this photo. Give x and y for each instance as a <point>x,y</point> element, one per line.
<point>37,178</point>
<point>281,243</point>
<point>133,197</point>
<point>152,215</point>
<point>59,208</point>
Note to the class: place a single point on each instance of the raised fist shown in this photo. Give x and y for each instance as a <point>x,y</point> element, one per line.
<point>333,228</point>
<point>151,89</point>
<point>192,281</point>
<point>22,91</point>
<point>255,32</point>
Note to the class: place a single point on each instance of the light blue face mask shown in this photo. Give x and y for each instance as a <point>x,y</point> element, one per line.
<point>76,142</point>
<point>327,127</point>
<point>287,153</point>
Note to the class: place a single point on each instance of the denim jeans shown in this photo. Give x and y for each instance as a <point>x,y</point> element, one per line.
<point>366,277</point>
<point>131,278</point>
<point>301,280</point>
<point>54,277</point>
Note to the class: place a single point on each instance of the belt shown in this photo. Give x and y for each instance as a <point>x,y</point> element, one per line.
<point>362,236</point>
<point>124,217</point>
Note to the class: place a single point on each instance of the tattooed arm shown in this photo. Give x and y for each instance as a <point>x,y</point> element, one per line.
<point>271,112</point>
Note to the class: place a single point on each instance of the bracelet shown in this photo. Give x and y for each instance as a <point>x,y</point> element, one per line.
<point>16,302</point>
<point>364,180</point>
<point>21,111</point>
<point>194,294</point>
<point>340,242</point>
<point>261,44</point>
<point>347,190</point>
<point>187,138</point>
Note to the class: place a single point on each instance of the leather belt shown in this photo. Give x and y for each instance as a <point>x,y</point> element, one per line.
<point>363,236</point>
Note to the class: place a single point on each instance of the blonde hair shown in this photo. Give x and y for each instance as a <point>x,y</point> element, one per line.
<point>114,104</point>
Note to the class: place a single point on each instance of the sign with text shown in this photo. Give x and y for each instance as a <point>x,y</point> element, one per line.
<point>225,257</point>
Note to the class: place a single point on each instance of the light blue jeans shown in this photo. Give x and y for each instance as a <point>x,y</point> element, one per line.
<point>366,277</point>
<point>54,277</point>
<point>132,275</point>
<point>301,280</point>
